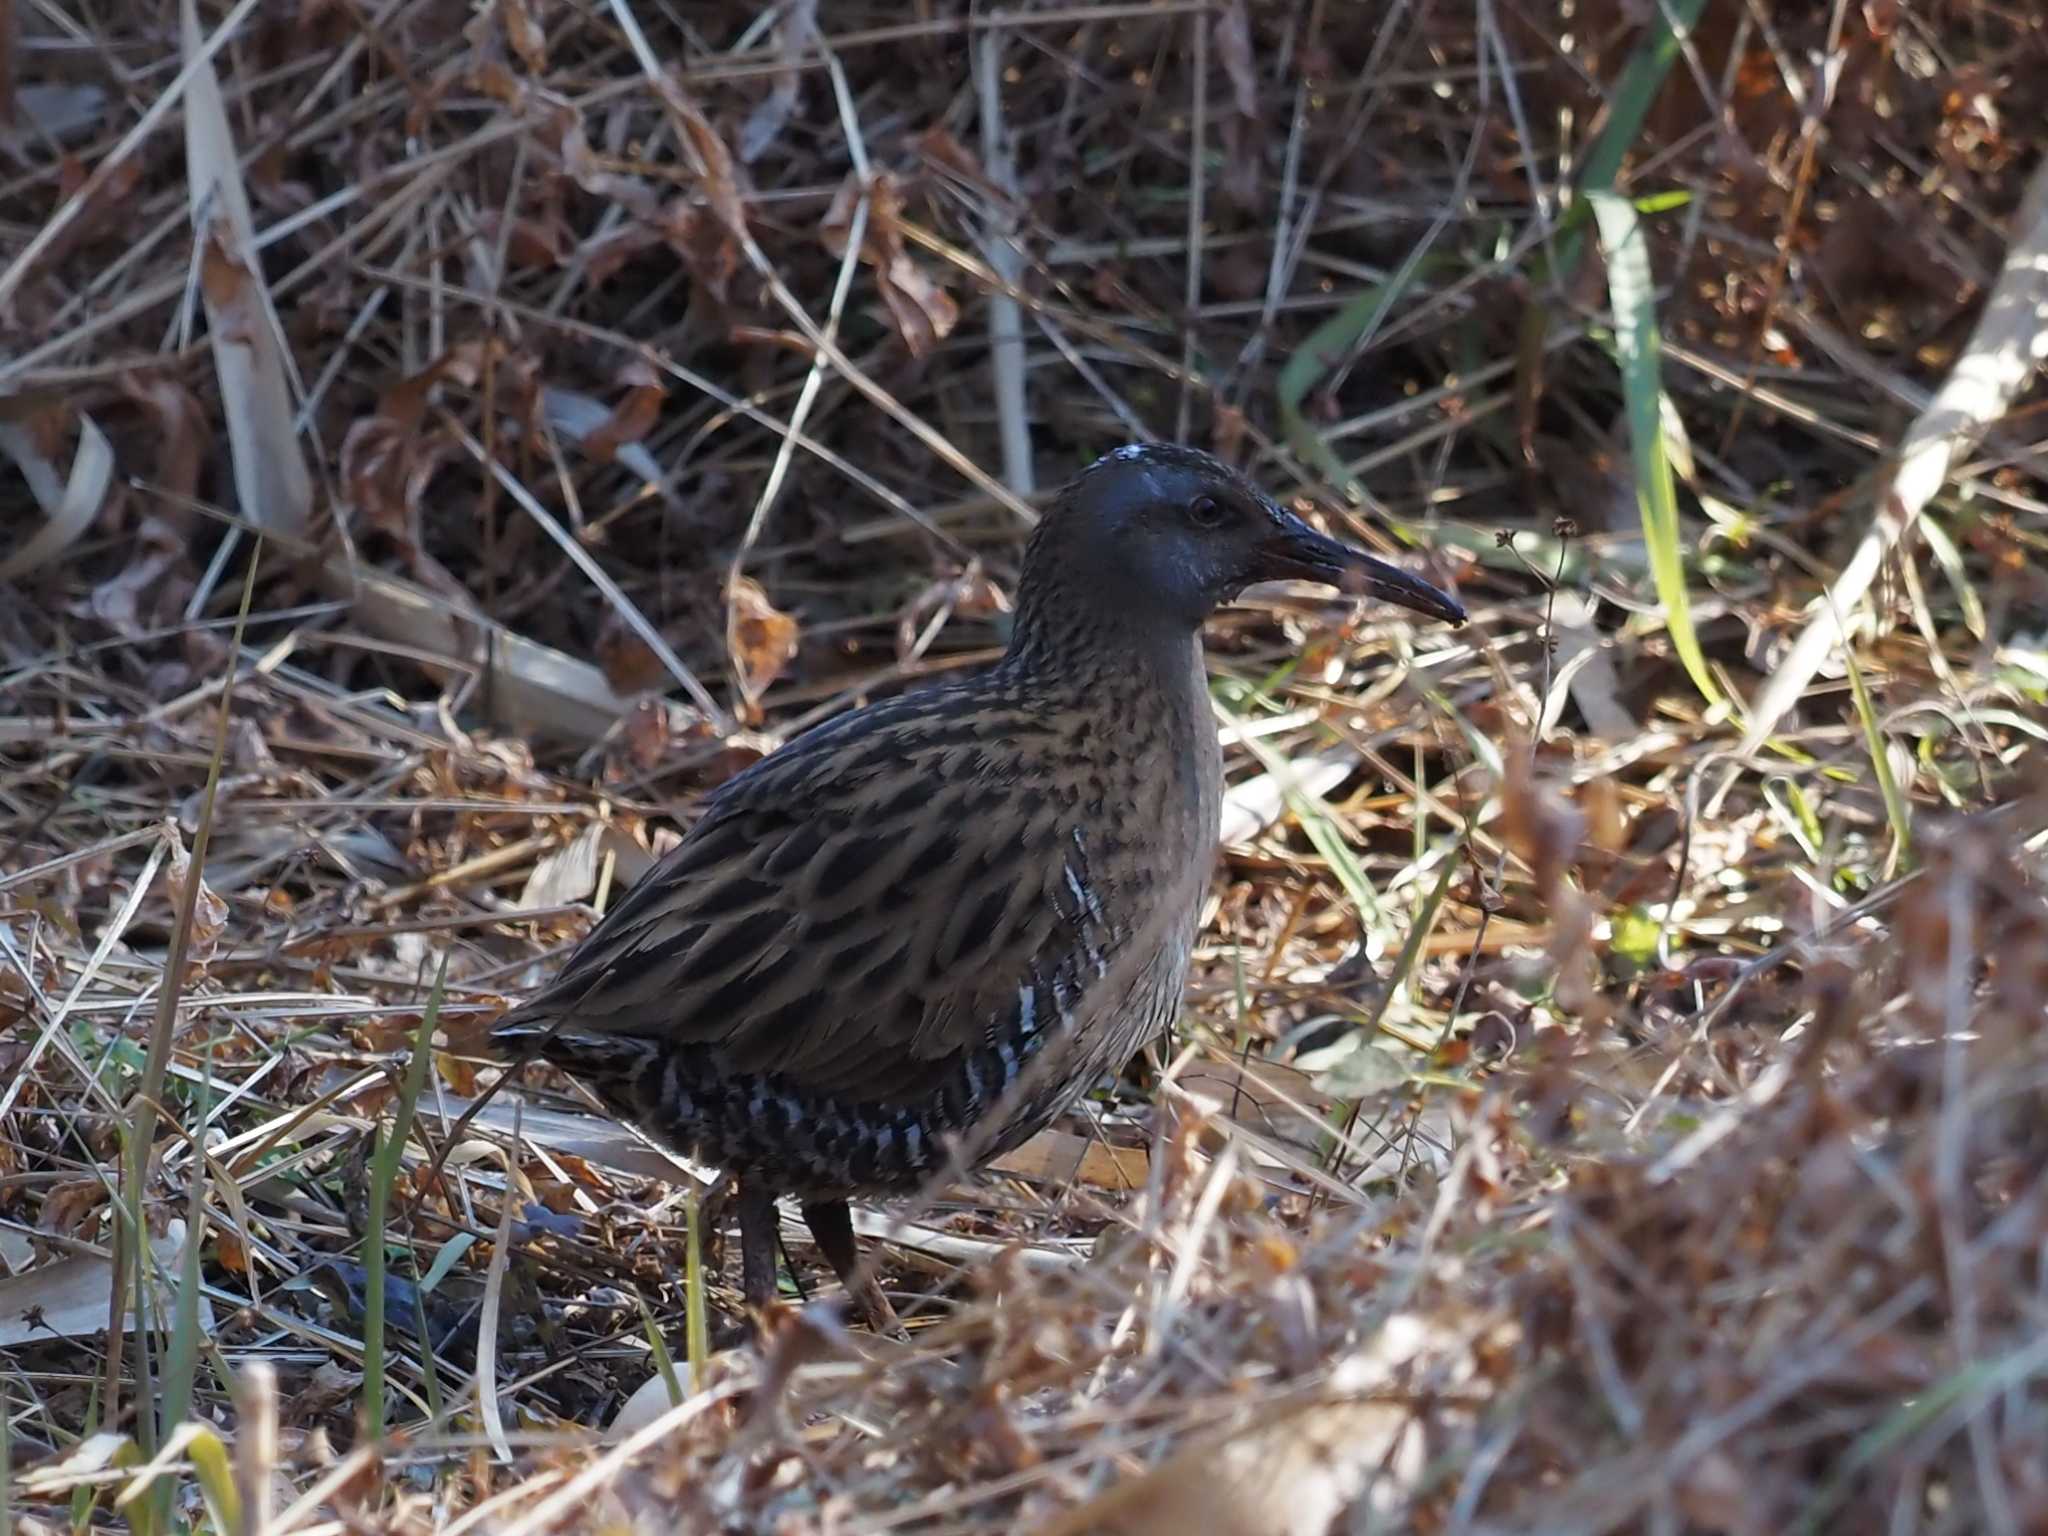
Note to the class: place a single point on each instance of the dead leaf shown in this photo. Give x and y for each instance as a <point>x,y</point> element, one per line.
<point>531,687</point>
<point>1546,833</point>
<point>633,417</point>
<point>181,422</point>
<point>647,734</point>
<point>104,210</point>
<point>590,172</point>
<point>385,471</point>
<point>73,1209</point>
<point>533,241</point>
<point>1258,802</point>
<point>719,181</point>
<point>1294,1472</point>
<point>794,30</point>
<point>329,1389</point>
<point>604,258</point>
<point>273,487</point>
<point>924,313</point>
<point>937,147</point>
<point>209,912</point>
<point>704,243</point>
<point>67,1298</point>
<point>117,601</point>
<point>609,434</point>
<point>59,111</point>
<point>571,873</point>
<point>968,593</point>
<point>1062,1158</point>
<point>69,502</point>
<point>629,662</point>
<point>761,637</point>
<point>523,31</point>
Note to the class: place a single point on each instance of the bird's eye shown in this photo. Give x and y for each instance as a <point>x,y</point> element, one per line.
<point>1205,512</point>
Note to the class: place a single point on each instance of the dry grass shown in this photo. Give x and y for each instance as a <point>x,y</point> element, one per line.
<point>1600,1108</point>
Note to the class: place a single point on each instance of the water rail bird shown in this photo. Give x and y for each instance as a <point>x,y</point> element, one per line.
<point>924,928</point>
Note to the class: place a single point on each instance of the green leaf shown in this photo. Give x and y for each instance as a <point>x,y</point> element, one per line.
<point>445,1260</point>
<point>388,1153</point>
<point>1635,936</point>
<point>697,1325</point>
<point>1896,810</point>
<point>1662,202</point>
<point>1321,827</point>
<point>1636,341</point>
<point>664,1362</point>
<point>1322,351</point>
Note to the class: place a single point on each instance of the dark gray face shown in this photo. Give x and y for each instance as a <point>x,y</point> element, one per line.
<point>1179,532</point>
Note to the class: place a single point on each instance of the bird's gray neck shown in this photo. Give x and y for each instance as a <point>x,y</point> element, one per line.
<point>1123,652</point>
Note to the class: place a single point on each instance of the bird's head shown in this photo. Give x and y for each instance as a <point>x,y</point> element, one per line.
<point>1167,534</point>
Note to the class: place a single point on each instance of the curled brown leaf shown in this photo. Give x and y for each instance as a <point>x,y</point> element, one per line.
<point>209,911</point>
<point>761,637</point>
<point>924,313</point>
<point>524,32</point>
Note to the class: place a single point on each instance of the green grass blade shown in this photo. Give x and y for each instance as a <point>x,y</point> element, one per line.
<point>209,1458</point>
<point>384,1165</point>
<point>1636,342</point>
<point>1896,810</point>
<point>147,1104</point>
<point>1323,349</point>
<point>697,1326</point>
<point>664,1362</point>
<point>1321,827</point>
<point>445,1261</point>
<point>1641,79</point>
<point>181,1365</point>
<point>425,1334</point>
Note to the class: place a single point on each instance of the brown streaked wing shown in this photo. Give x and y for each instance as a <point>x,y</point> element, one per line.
<point>856,909</point>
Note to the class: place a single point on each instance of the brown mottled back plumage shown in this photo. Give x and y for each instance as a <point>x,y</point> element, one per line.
<point>946,913</point>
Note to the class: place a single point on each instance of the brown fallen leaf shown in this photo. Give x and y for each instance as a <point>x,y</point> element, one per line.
<point>117,601</point>
<point>705,244</point>
<point>1294,1470</point>
<point>967,593</point>
<point>924,313</point>
<point>1061,1157</point>
<point>523,30</point>
<point>761,638</point>
<point>1546,832</point>
<point>181,421</point>
<point>70,499</point>
<point>718,178</point>
<point>938,148</point>
<point>629,662</point>
<point>209,911</point>
<point>633,417</point>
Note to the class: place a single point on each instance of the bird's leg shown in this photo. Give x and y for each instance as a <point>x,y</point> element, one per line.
<point>831,1223</point>
<point>757,1242</point>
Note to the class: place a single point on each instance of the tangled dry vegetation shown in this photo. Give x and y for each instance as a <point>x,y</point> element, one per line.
<point>1612,1098</point>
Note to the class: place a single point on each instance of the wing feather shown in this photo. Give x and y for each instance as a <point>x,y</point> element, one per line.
<point>855,911</point>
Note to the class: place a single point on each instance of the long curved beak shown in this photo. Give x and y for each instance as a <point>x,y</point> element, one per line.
<point>1295,551</point>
